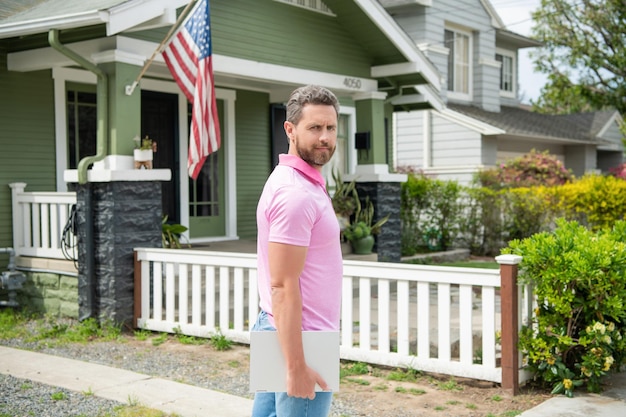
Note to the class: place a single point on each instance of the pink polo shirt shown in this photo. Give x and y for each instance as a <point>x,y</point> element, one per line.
<point>295,209</point>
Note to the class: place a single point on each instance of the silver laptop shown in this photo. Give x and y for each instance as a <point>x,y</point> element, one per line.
<point>267,364</point>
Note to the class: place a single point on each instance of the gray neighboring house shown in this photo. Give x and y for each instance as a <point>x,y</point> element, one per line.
<point>483,122</point>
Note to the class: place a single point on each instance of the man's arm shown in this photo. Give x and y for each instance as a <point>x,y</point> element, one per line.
<point>286,263</point>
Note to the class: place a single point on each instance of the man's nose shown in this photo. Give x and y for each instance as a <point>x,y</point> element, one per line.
<point>327,134</point>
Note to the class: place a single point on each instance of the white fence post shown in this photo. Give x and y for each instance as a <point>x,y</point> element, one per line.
<point>17,188</point>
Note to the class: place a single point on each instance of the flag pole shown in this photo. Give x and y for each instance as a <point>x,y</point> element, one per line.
<point>131,88</point>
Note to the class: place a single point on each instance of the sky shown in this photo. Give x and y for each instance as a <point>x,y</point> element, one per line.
<point>516,16</point>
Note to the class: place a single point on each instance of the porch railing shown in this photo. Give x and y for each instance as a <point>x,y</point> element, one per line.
<point>436,319</point>
<point>38,221</point>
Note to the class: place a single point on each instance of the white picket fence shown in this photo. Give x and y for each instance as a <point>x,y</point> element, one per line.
<point>38,221</point>
<point>435,319</point>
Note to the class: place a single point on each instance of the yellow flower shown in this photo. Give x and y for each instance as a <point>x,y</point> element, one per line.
<point>611,327</point>
<point>536,311</point>
<point>608,361</point>
<point>599,327</point>
<point>551,361</point>
<point>607,339</point>
<point>585,371</point>
<point>567,383</point>
<point>596,351</point>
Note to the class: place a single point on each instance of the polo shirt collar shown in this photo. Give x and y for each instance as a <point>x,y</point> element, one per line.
<point>306,169</point>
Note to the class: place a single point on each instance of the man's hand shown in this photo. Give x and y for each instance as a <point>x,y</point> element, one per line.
<point>301,383</point>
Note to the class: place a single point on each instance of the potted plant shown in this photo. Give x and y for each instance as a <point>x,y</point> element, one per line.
<point>171,234</point>
<point>361,232</point>
<point>344,199</point>
<point>142,154</point>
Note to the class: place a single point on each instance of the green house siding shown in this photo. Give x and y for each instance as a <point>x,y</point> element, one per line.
<point>27,138</point>
<point>285,35</point>
<point>253,156</point>
<point>280,34</point>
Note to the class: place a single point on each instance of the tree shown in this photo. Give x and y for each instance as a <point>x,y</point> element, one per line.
<point>583,39</point>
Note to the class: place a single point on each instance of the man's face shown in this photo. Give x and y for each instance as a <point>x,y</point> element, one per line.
<point>314,138</point>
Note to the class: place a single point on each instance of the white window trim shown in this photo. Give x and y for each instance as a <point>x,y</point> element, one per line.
<point>455,95</point>
<point>512,55</point>
<point>60,76</point>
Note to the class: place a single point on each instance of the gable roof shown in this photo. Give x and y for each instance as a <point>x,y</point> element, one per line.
<point>583,128</point>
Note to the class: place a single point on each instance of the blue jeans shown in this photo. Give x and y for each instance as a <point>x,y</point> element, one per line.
<point>279,404</point>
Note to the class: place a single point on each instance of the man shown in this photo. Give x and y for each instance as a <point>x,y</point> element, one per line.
<point>299,255</point>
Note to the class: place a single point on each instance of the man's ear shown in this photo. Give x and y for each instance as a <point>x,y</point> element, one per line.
<point>289,129</point>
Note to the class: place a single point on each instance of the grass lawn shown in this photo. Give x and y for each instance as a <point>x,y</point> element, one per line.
<point>469,263</point>
<point>472,264</point>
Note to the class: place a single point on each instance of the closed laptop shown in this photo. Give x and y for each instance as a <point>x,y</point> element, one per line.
<point>267,363</point>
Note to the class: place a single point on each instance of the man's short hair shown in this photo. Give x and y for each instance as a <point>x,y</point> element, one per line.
<point>309,94</point>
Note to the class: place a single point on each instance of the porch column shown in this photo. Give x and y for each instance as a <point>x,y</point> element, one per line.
<point>124,110</point>
<point>373,120</point>
<point>113,218</point>
<point>119,208</point>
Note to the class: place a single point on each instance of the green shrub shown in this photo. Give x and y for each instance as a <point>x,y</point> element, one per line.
<point>481,226</point>
<point>413,204</point>
<point>595,201</point>
<point>527,211</point>
<point>579,278</point>
<point>431,210</point>
<point>533,168</point>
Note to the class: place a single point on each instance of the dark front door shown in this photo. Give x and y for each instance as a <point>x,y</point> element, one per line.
<point>159,120</point>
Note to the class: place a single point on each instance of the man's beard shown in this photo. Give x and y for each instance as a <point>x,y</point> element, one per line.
<point>315,157</point>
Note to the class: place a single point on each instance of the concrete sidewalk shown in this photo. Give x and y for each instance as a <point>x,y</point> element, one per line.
<point>121,385</point>
<point>611,403</point>
<point>189,401</point>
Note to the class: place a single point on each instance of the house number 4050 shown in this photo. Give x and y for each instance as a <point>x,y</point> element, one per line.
<point>352,82</point>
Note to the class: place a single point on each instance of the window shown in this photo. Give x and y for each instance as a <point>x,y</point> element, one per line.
<point>507,75</point>
<point>340,161</point>
<point>459,62</point>
<point>81,125</point>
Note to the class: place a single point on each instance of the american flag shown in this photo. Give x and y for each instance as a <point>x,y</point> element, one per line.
<point>188,56</point>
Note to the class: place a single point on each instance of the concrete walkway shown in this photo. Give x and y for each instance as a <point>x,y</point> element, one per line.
<point>121,385</point>
<point>612,402</point>
<point>189,401</point>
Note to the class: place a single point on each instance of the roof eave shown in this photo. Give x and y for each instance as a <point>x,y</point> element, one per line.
<point>556,139</point>
<point>518,40</point>
<point>32,27</point>
<point>126,16</point>
<point>471,122</point>
<point>401,40</point>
